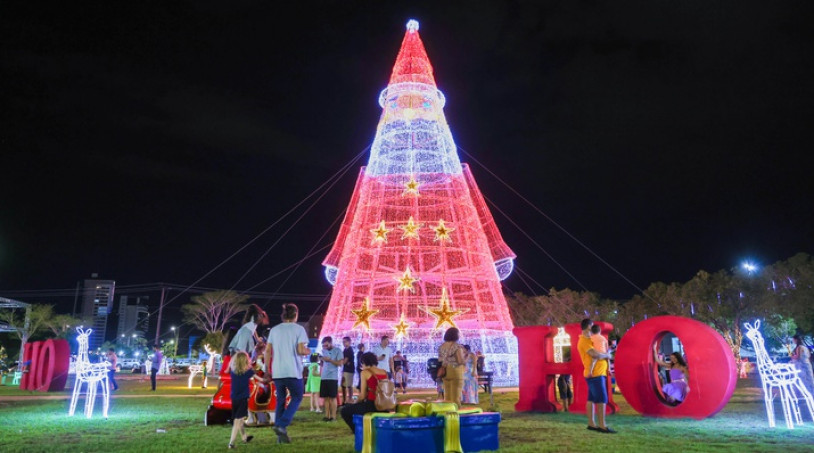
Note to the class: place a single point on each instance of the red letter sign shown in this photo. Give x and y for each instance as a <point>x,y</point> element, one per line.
<point>535,347</point>
<point>48,367</point>
<point>709,359</point>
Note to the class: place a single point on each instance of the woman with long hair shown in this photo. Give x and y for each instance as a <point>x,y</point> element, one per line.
<point>676,390</point>
<point>801,358</point>
<point>469,395</point>
<point>247,337</point>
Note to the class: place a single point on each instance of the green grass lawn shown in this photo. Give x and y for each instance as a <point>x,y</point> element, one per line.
<point>43,426</point>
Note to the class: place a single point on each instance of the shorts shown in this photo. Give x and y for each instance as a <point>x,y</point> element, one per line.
<point>347,379</point>
<point>240,408</point>
<point>597,389</point>
<point>328,388</point>
<point>564,387</point>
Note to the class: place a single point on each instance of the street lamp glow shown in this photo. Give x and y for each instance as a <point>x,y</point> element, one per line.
<point>749,266</point>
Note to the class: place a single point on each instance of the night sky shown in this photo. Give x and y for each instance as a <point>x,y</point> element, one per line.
<point>149,141</point>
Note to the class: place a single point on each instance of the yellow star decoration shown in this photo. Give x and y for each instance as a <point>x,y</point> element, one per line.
<point>411,187</point>
<point>401,327</point>
<point>411,229</point>
<point>442,232</point>
<point>380,233</point>
<point>406,281</point>
<point>364,314</point>
<point>443,314</point>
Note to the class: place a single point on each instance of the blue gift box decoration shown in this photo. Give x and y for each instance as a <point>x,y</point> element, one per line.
<point>478,432</point>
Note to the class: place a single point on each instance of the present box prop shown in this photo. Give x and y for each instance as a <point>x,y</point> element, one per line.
<point>427,427</point>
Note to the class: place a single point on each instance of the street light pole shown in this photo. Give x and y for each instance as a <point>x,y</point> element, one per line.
<point>160,310</point>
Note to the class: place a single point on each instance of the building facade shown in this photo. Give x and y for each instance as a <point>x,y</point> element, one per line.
<point>97,305</point>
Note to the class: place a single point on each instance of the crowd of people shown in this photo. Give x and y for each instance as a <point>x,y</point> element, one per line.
<point>364,371</point>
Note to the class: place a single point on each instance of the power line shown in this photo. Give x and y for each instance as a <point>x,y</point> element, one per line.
<point>560,227</point>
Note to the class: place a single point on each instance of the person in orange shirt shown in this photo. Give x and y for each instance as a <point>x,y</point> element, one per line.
<point>596,378</point>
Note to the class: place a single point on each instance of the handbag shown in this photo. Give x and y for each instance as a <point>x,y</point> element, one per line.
<point>442,371</point>
<point>385,394</point>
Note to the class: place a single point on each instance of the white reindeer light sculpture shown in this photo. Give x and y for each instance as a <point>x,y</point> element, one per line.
<point>781,376</point>
<point>92,374</point>
<point>193,370</point>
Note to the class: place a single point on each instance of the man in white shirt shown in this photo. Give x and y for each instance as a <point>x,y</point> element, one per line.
<point>287,342</point>
<point>384,353</point>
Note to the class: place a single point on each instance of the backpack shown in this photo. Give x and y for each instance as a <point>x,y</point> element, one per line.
<point>385,394</point>
<point>432,368</point>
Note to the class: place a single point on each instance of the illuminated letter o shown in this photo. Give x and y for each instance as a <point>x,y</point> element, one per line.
<point>51,372</point>
<point>709,358</point>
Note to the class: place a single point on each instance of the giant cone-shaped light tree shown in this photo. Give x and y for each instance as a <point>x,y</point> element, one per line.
<point>418,251</point>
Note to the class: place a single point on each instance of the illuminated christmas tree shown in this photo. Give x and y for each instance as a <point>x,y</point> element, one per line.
<point>418,251</point>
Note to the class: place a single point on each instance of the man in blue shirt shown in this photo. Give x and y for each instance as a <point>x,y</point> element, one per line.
<point>332,359</point>
<point>287,342</point>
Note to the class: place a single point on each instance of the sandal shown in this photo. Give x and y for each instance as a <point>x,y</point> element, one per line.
<point>606,430</point>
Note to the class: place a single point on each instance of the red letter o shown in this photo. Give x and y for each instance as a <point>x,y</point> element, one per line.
<point>709,358</point>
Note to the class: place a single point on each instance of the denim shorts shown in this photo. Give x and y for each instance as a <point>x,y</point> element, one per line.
<point>597,389</point>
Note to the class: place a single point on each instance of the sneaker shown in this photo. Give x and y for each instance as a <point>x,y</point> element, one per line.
<point>231,446</point>
<point>282,435</point>
<point>326,419</point>
<point>248,439</point>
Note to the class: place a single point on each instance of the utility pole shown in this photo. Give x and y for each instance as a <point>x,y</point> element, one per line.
<point>75,299</point>
<point>160,309</point>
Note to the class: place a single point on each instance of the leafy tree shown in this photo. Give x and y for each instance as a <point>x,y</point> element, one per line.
<point>211,311</point>
<point>63,326</point>
<point>559,307</point>
<point>39,316</point>
<point>726,300</point>
<point>791,287</point>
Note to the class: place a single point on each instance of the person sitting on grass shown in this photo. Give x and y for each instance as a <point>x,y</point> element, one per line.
<point>241,371</point>
<point>370,377</point>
